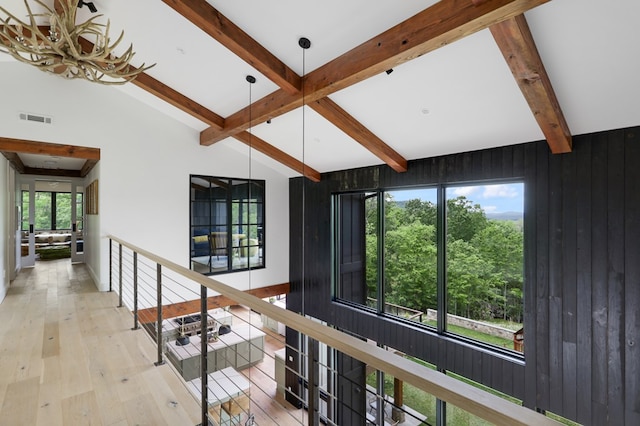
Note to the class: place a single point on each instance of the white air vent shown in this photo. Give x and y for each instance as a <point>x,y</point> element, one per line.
<point>36,118</point>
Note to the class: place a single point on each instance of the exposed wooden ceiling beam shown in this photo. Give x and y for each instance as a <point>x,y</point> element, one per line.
<point>212,180</point>
<point>52,172</point>
<point>169,95</point>
<point>212,22</point>
<point>441,24</point>
<point>11,148</point>
<point>166,93</point>
<point>514,39</point>
<point>87,167</point>
<point>15,161</point>
<point>282,157</point>
<point>44,148</point>
<point>57,7</point>
<point>178,100</point>
<point>341,119</point>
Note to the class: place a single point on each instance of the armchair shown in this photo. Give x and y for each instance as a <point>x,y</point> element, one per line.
<point>218,241</point>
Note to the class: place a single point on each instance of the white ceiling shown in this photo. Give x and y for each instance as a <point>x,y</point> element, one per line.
<point>50,162</point>
<point>458,98</point>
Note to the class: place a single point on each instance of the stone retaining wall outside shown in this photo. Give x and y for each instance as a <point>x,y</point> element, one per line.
<point>482,327</point>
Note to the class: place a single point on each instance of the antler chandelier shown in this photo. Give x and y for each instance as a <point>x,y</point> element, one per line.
<point>70,50</point>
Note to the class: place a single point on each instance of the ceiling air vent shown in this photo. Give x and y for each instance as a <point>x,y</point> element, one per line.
<point>36,118</point>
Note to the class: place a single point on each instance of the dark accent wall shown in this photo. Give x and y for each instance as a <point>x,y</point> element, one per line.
<point>582,272</point>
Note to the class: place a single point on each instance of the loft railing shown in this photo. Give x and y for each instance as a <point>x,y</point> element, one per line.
<point>146,283</point>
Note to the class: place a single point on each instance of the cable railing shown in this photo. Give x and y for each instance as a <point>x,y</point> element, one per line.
<point>244,373</point>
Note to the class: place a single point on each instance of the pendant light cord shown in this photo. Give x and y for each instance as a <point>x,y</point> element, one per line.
<point>250,79</point>
<point>304,43</point>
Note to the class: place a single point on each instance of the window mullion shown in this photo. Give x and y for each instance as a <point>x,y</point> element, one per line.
<point>380,248</point>
<point>53,207</point>
<point>441,242</point>
<point>230,225</point>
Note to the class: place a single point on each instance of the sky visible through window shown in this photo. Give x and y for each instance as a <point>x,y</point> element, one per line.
<point>495,198</point>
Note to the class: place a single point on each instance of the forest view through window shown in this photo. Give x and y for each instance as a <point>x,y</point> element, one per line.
<point>52,210</point>
<point>463,255</point>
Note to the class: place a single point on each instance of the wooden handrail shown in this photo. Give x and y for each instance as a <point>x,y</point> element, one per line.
<point>465,396</point>
<point>192,306</point>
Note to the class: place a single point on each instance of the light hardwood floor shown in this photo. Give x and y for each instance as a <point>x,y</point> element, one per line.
<point>267,406</point>
<point>68,356</point>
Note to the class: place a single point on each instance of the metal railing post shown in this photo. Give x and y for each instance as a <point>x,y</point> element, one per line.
<point>159,318</point>
<point>110,265</point>
<point>313,371</point>
<point>204,371</point>
<point>135,291</point>
<point>120,279</point>
<point>380,396</point>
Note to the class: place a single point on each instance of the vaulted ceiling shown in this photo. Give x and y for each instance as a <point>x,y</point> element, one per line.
<point>384,81</point>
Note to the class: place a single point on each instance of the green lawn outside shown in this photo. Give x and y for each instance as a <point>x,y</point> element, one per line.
<point>426,404</point>
<point>476,335</point>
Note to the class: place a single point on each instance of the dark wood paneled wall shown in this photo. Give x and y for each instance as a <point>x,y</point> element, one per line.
<point>582,272</point>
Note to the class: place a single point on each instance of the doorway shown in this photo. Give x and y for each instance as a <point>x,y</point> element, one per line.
<point>52,220</point>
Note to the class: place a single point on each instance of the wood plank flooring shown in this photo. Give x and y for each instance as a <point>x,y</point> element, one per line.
<point>68,356</point>
<point>267,406</point>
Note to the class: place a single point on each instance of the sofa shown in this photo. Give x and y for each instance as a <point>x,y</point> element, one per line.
<point>214,243</point>
<point>209,251</point>
<point>49,239</point>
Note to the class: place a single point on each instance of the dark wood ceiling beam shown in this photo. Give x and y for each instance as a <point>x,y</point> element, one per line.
<point>443,23</point>
<point>282,157</point>
<point>45,148</point>
<point>515,40</point>
<point>87,167</point>
<point>52,172</point>
<point>15,161</point>
<point>212,22</point>
<point>352,127</point>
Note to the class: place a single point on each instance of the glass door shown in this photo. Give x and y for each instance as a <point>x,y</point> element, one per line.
<point>27,237</point>
<point>77,224</point>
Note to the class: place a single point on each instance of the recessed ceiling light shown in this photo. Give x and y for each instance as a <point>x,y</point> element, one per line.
<point>425,111</point>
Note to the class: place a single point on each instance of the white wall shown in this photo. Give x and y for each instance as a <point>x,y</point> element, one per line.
<point>146,159</point>
<point>4,228</point>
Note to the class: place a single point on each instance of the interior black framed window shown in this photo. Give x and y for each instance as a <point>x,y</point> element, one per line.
<point>227,227</point>
<point>448,257</point>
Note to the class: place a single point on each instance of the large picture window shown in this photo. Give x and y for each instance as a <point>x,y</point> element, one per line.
<point>447,257</point>
<point>52,210</point>
<point>227,224</point>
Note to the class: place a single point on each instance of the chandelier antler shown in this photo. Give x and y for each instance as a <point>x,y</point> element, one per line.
<point>70,50</point>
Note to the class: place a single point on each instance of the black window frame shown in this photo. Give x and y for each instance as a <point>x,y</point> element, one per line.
<point>441,236</point>
<point>53,219</point>
<point>226,214</point>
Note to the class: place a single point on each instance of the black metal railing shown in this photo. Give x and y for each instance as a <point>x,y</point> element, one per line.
<point>149,285</point>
